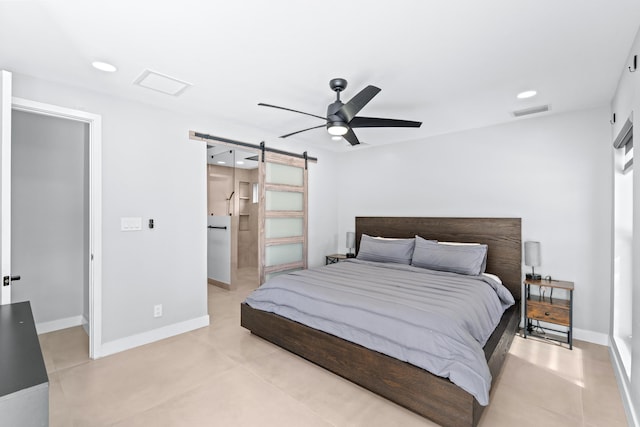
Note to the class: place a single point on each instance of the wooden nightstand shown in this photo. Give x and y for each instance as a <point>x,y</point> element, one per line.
<point>332,259</point>
<point>546,308</point>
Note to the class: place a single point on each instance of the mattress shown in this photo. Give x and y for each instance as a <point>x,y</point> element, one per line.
<point>438,321</point>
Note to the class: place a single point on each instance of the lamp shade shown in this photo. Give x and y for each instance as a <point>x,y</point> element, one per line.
<point>351,239</point>
<point>532,254</point>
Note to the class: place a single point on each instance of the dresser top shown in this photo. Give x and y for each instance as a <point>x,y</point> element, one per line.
<point>21,363</point>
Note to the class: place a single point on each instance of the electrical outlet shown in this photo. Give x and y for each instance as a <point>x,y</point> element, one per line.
<point>157,310</point>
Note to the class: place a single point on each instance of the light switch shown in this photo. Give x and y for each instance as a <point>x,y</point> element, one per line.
<point>131,224</point>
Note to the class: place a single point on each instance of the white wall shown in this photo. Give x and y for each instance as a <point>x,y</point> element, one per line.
<point>626,101</point>
<point>152,170</point>
<point>552,171</point>
<point>324,201</point>
<point>48,214</point>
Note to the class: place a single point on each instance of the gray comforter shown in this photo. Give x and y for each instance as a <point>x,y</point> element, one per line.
<point>436,320</point>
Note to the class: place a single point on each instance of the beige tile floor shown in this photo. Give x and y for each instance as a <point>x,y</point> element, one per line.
<point>223,376</point>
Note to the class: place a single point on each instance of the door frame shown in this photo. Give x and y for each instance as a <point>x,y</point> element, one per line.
<point>95,207</point>
<point>5,181</point>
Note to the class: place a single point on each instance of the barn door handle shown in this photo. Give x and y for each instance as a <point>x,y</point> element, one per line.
<point>6,280</point>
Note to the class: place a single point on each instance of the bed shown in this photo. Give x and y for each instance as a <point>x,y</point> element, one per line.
<point>431,396</point>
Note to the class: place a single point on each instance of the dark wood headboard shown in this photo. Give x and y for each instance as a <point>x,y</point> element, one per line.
<point>502,235</point>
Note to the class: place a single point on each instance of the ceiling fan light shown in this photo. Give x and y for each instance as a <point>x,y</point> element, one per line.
<point>337,128</point>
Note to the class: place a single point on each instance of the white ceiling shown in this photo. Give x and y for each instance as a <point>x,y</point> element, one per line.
<point>453,65</point>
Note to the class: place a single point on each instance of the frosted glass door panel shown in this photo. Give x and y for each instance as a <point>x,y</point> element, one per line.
<point>283,254</point>
<point>283,227</point>
<point>284,174</point>
<point>283,213</point>
<point>284,201</point>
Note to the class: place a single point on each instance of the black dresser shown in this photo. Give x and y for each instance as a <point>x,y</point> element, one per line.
<point>24,385</point>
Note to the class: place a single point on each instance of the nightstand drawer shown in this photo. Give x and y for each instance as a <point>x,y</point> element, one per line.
<point>543,307</point>
<point>548,313</point>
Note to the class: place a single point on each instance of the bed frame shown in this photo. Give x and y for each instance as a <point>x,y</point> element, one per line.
<point>431,396</point>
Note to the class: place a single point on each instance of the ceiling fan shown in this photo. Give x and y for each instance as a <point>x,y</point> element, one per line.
<point>341,118</point>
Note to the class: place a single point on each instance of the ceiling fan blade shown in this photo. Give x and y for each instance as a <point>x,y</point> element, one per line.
<point>355,104</point>
<point>289,109</point>
<point>351,137</point>
<point>303,130</point>
<point>374,122</point>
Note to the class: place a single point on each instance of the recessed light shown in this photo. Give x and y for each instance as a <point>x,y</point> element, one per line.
<point>336,137</point>
<point>527,94</point>
<point>220,162</point>
<point>239,162</point>
<point>104,66</point>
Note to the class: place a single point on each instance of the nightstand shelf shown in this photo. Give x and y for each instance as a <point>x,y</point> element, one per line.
<point>334,258</point>
<point>546,308</point>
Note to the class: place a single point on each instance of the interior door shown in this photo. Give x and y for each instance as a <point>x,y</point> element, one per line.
<point>5,186</point>
<point>283,216</point>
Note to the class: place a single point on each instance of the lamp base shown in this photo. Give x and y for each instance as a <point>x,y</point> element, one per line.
<point>350,255</point>
<point>530,276</point>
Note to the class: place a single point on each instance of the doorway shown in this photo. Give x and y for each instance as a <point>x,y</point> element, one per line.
<point>279,194</point>
<point>92,268</point>
<point>50,218</point>
<point>232,216</point>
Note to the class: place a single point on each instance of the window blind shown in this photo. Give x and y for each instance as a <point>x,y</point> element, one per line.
<point>628,155</point>
<point>625,140</point>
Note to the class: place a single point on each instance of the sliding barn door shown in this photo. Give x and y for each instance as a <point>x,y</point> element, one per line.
<point>283,216</point>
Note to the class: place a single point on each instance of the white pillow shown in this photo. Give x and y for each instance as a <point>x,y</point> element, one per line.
<point>493,276</point>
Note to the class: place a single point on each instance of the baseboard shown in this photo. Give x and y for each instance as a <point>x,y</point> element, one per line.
<point>219,284</point>
<point>56,325</point>
<point>137,340</point>
<point>623,386</point>
<point>85,324</point>
<point>581,334</point>
<point>592,337</point>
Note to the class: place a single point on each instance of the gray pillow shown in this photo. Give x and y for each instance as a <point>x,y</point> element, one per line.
<point>483,267</point>
<point>385,250</point>
<point>462,259</point>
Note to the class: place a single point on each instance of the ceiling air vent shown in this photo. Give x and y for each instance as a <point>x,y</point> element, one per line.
<point>532,110</point>
<point>161,83</point>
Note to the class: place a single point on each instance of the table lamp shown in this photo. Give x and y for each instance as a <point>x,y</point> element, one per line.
<point>351,243</point>
<point>532,258</point>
